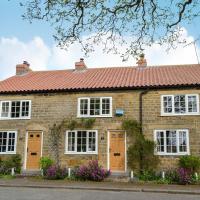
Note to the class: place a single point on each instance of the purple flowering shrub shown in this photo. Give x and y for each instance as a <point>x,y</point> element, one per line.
<point>185,176</point>
<point>54,172</point>
<point>93,171</point>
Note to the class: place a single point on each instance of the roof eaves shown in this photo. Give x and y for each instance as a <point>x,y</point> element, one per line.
<point>100,89</point>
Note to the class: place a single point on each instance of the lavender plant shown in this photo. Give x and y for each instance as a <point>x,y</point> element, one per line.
<point>93,171</point>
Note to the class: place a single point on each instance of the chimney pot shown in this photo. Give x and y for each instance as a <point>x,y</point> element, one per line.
<point>22,69</point>
<point>142,63</point>
<point>26,63</point>
<point>80,65</point>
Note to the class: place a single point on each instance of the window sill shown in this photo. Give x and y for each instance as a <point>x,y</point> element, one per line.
<point>7,153</point>
<point>28,118</point>
<point>172,154</point>
<point>81,153</point>
<point>175,115</point>
<point>95,116</point>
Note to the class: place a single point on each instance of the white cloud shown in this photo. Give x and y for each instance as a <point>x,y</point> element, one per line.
<point>155,55</point>
<point>183,54</point>
<point>41,57</point>
<point>13,51</point>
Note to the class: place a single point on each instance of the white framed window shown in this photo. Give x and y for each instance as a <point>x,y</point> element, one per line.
<point>19,109</point>
<point>171,142</point>
<point>187,104</point>
<point>95,107</point>
<point>8,141</point>
<point>81,142</point>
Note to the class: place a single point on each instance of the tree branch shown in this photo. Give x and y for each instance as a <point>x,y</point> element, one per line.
<point>183,7</point>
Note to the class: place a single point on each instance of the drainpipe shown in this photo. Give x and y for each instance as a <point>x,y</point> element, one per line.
<point>141,108</point>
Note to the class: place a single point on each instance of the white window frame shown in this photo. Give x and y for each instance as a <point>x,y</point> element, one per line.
<point>173,106</point>
<point>87,142</point>
<point>10,105</point>
<point>10,152</point>
<point>88,110</point>
<point>177,139</point>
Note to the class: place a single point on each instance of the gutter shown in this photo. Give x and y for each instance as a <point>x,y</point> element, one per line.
<point>183,86</point>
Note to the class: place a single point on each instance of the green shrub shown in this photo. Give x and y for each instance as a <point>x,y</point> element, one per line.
<point>172,176</point>
<point>45,163</point>
<point>196,179</point>
<point>16,162</point>
<point>148,176</point>
<point>140,153</point>
<point>13,161</point>
<point>190,162</point>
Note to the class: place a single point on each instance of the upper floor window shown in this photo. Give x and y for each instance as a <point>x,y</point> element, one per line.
<point>81,142</point>
<point>172,142</point>
<point>8,142</point>
<point>95,107</point>
<point>15,109</point>
<point>180,104</point>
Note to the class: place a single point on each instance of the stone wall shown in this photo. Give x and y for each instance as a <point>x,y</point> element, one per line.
<point>153,120</point>
<point>48,109</point>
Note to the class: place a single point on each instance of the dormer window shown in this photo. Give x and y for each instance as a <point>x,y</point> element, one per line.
<point>95,107</point>
<point>15,109</point>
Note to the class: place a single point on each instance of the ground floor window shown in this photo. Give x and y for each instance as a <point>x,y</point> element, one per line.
<point>8,142</point>
<point>172,142</point>
<point>81,142</point>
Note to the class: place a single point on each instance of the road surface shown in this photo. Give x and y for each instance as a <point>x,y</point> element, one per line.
<point>12,193</point>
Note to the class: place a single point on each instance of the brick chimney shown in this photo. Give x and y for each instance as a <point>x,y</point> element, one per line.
<point>142,63</point>
<point>22,69</point>
<point>80,65</point>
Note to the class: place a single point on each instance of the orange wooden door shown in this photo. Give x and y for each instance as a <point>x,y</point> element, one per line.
<point>33,150</point>
<point>117,150</point>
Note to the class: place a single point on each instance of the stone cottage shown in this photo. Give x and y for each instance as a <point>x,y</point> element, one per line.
<point>164,99</point>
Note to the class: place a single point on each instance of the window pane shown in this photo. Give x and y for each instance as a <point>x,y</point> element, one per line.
<point>171,142</point>
<point>81,141</point>
<point>192,104</point>
<point>160,141</point>
<point>105,106</point>
<point>84,106</point>
<point>95,106</point>
<point>5,109</point>
<point>11,142</point>
<point>15,109</point>
<point>182,141</point>
<point>71,141</point>
<point>25,108</point>
<point>167,104</point>
<point>92,141</point>
<point>179,104</point>
<point>3,141</point>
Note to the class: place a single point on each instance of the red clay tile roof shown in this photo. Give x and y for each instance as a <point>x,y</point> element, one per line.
<point>103,78</point>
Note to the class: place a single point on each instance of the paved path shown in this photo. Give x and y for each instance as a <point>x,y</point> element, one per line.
<point>38,183</point>
<point>7,193</point>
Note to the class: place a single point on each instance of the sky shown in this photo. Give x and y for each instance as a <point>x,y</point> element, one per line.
<point>20,40</point>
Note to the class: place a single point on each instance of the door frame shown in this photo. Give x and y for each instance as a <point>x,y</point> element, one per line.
<point>108,147</point>
<point>26,145</point>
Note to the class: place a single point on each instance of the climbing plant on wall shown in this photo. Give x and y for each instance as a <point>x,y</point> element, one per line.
<point>140,152</point>
<point>56,133</point>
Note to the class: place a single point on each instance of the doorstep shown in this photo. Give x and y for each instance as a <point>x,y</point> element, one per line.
<point>118,177</point>
<point>29,173</point>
